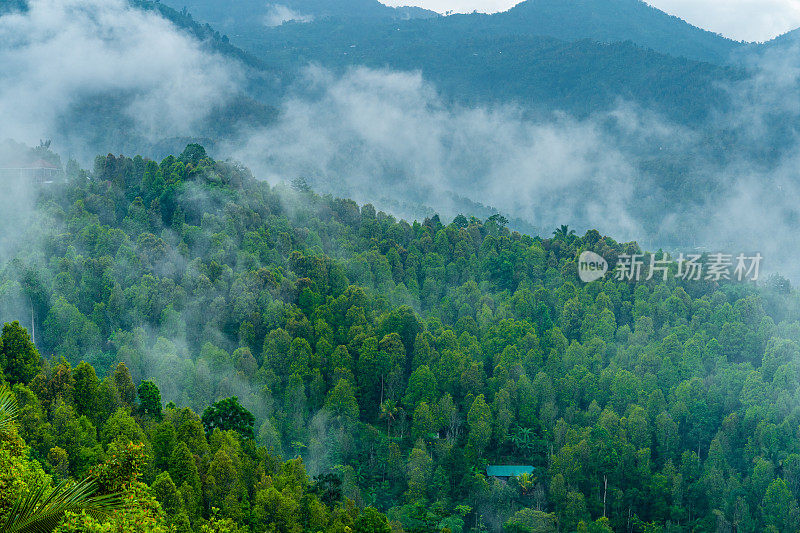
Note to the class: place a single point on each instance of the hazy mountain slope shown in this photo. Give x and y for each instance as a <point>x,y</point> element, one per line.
<point>477,66</point>
<point>202,31</point>
<point>571,20</point>
<point>614,20</point>
<point>782,42</point>
<point>223,86</point>
<point>577,55</point>
<point>243,18</point>
<point>366,9</point>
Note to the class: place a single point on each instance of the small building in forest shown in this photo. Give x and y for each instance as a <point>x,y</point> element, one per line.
<point>39,171</point>
<point>504,472</point>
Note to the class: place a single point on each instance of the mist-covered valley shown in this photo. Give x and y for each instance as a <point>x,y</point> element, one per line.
<point>321,268</point>
<point>709,169</point>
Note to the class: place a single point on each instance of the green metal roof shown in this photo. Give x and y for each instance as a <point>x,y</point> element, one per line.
<point>508,470</point>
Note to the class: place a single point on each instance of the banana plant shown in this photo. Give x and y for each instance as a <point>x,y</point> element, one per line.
<point>9,410</point>
<point>41,509</point>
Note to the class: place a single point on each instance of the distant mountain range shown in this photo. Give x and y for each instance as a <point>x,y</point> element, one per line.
<point>363,9</point>
<point>598,20</point>
<point>243,18</point>
<point>613,21</point>
<point>579,56</point>
<point>482,67</point>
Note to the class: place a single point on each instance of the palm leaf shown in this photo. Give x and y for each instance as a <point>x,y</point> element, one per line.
<point>41,511</point>
<point>9,410</point>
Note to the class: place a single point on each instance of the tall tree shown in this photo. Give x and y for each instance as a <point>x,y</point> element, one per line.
<point>19,359</point>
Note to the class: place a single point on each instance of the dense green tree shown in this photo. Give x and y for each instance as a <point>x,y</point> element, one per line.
<point>124,384</point>
<point>86,389</point>
<point>399,359</point>
<point>228,414</point>
<point>149,399</point>
<point>779,507</point>
<point>371,521</point>
<point>479,420</point>
<point>341,402</point>
<point>531,521</point>
<point>19,359</point>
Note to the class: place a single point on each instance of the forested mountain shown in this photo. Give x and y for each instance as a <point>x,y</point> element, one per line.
<point>96,114</point>
<point>615,21</point>
<point>353,9</point>
<point>786,43</point>
<point>246,17</point>
<point>472,66</point>
<point>204,32</point>
<point>389,362</point>
<point>202,350</point>
<point>570,20</point>
<point>578,57</point>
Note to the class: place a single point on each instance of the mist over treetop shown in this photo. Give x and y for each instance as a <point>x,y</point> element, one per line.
<point>343,332</point>
<point>349,300</point>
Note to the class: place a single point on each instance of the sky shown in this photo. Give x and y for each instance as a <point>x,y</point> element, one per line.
<point>749,20</point>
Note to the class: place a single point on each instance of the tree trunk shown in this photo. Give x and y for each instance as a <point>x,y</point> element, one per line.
<point>33,325</point>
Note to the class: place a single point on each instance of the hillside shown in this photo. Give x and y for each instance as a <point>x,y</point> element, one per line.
<point>569,20</point>
<point>354,9</point>
<point>98,114</point>
<point>347,336</point>
<point>614,21</point>
<point>396,359</point>
<point>471,64</point>
<point>782,43</point>
<point>243,18</point>
<point>579,56</point>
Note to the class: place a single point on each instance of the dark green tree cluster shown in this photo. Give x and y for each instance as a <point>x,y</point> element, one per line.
<point>398,360</point>
<point>173,476</point>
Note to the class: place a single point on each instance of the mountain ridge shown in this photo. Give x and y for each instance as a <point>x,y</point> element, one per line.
<point>247,16</point>
<point>619,20</point>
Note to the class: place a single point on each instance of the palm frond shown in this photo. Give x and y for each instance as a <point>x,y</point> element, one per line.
<point>9,410</point>
<point>41,511</point>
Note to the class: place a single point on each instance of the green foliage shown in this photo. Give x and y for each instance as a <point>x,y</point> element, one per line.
<point>228,414</point>
<point>396,360</point>
<point>42,509</point>
<point>531,521</point>
<point>150,399</point>
<point>19,359</point>
<point>479,420</point>
<point>9,411</point>
<point>27,501</point>
<point>85,390</point>
<point>193,154</point>
<point>122,469</point>
<point>371,521</point>
<point>341,402</point>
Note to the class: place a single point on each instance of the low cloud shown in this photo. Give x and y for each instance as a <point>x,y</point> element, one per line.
<point>374,134</point>
<point>389,138</point>
<point>103,61</point>
<point>278,14</point>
